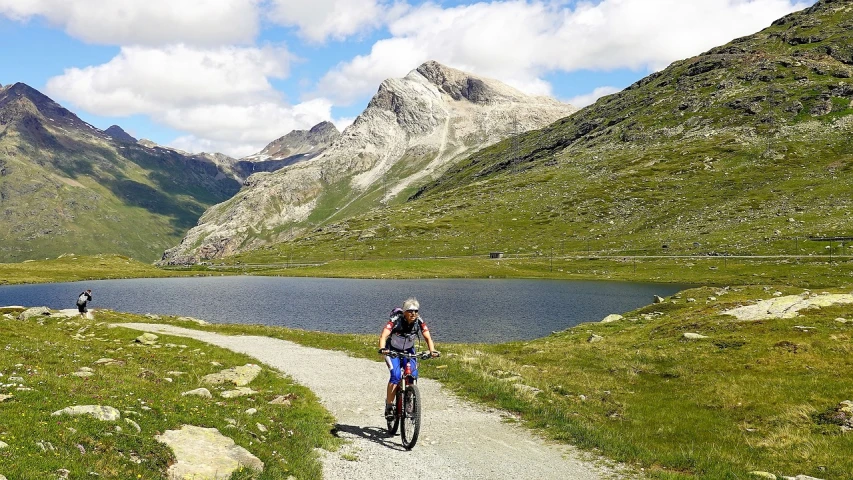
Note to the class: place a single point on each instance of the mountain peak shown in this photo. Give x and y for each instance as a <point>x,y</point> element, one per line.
<point>462,85</point>
<point>118,134</point>
<point>21,100</point>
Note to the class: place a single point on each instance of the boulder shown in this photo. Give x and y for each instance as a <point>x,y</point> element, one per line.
<point>200,392</point>
<point>147,339</point>
<point>105,413</point>
<point>239,392</point>
<point>612,318</point>
<point>239,376</point>
<point>205,453</point>
<point>34,312</point>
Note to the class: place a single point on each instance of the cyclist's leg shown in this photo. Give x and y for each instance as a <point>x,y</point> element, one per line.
<point>395,369</point>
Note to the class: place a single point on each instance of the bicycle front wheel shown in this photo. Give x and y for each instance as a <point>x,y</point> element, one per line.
<point>411,424</point>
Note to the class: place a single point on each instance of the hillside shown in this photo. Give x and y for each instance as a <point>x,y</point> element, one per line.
<point>66,186</point>
<point>412,130</point>
<point>744,149</point>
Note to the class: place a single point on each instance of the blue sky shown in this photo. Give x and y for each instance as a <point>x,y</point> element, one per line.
<point>232,75</point>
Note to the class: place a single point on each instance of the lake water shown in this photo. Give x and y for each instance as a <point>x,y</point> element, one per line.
<point>456,310</point>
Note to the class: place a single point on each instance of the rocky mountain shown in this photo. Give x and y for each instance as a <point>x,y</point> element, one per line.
<point>296,146</point>
<point>66,186</point>
<point>743,149</point>
<point>412,130</point>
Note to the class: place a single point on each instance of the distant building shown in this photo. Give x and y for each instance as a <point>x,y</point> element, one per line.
<point>496,255</point>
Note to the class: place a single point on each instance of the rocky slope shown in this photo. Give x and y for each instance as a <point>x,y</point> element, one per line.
<point>413,129</point>
<point>296,146</point>
<point>66,186</point>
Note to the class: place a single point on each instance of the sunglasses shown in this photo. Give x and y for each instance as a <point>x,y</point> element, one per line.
<point>412,311</point>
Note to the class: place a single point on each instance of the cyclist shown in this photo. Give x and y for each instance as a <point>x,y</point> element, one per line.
<point>399,335</point>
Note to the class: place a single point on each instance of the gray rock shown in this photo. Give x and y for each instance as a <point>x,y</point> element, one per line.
<point>194,320</point>
<point>761,474</point>
<point>205,453</point>
<point>693,336</point>
<point>239,392</point>
<point>34,312</point>
<point>108,361</point>
<point>282,400</point>
<point>612,318</point>
<point>787,306</point>
<point>200,392</point>
<point>133,424</point>
<point>658,299</point>
<point>595,338</point>
<point>239,376</point>
<point>100,412</point>
<point>147,339</point>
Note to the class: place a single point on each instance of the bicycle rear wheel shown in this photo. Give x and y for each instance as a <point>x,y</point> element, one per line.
<point>398,409</point>
<point>411,426</point>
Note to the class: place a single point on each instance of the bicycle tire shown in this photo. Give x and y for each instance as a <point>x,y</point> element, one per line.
<point>394,423</point>
<point>411,424</point>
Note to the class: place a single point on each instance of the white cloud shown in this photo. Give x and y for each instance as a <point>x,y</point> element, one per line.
<point>149,22</point>
<point>518,42</point>
<point>240,131</point>
<point>318,20</point>
<point>581,101</point>
<point>220,96</point>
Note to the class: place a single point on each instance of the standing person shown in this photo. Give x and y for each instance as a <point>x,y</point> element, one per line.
<point>399,335</point>
<point>82,300</point>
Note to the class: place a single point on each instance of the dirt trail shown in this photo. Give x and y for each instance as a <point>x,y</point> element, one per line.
<point>458,440</point>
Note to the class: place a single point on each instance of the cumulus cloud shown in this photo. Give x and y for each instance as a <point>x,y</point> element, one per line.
<point>318,20</point>
<point>220,96</point>
<point>239,131</point>
<point>519,41</point>
<point>581,101</point>
<point>149,22</point>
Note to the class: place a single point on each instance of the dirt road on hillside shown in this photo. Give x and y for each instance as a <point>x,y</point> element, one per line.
<point>458,440</point>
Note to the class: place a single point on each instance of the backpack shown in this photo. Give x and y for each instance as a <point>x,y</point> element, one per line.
<point>401,340</point>
<point>82,299</point>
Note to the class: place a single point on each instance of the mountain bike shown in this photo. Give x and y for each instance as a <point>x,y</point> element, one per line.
<point>407,401</point>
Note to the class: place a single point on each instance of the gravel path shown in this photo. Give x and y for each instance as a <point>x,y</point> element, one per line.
<point>458,440</point>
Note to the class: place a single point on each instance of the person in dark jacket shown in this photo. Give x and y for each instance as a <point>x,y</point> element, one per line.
<point>82,300</point>
<point>399,335</point>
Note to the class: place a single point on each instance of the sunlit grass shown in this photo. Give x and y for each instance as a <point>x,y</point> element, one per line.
<point>37,360</point>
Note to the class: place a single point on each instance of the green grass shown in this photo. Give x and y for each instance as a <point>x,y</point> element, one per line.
<point>44,354</point>
<point>72,268</point>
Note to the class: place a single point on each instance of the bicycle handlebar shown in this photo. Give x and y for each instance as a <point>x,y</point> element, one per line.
<point>422,356</point>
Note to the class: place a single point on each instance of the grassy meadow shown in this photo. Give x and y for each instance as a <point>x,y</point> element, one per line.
<point>38,361</point>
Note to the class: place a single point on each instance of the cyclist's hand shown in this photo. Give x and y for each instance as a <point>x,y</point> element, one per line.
<point>383,351</point>
<point>434,353</point>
